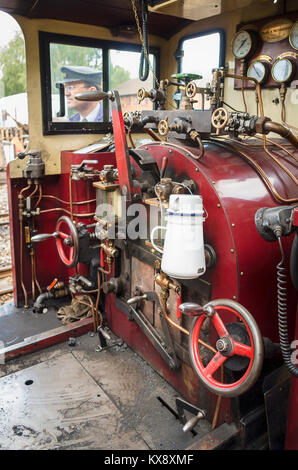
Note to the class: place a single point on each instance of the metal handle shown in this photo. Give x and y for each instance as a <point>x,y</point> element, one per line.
<point>193,310</point>
<point>94,95</point>
<point>44,236</point>
<point>136,299</point>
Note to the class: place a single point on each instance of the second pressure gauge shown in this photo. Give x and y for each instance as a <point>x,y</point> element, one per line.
<point>258,70</point>
<point>283,70</point>
<point>243,44</point>
<point>293,36</point>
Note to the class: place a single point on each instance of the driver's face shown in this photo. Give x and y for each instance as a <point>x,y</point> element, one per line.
<point>72,89</point>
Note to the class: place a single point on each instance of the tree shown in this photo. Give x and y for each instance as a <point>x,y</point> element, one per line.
<point>118,75</point>
<point>13,65</point>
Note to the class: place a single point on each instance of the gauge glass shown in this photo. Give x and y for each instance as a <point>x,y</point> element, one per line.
<point>293,37</point>
<point>242,44</point>
<point>258,71</point>
<point>282,70</point>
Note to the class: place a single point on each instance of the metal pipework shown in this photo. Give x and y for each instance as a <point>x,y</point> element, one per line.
<point>164,282</point>
<point>283,131</point>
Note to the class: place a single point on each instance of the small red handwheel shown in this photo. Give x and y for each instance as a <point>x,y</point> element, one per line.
<point>241,338</point>
<point>67,241</point>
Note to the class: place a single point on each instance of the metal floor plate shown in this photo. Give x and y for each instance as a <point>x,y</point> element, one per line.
<point>88,400</point>
<point>55,405</point>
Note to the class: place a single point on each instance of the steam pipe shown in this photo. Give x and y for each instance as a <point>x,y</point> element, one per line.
<point>280,129</point>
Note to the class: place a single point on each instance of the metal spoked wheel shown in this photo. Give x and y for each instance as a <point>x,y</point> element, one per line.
<point>67,241</point>
<point>228,345</point>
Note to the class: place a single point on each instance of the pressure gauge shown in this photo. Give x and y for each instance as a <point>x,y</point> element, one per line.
<point>293,36</point>
<point>258,70</point>
<point>243,44</point>
<point>283,70</point>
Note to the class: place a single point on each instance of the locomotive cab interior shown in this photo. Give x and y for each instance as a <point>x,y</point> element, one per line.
<point>160,237</point>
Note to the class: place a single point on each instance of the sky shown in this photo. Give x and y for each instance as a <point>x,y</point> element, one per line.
<point>8,28</point>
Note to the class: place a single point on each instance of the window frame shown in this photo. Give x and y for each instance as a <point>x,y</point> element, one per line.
<point>222,45</point>
<point>45,39</point>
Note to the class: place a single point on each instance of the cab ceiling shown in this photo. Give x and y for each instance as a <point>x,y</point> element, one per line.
<point>113,14</point>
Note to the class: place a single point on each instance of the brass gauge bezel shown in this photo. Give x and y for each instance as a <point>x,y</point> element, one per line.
<point>266,70</point>
<point>253,38</point>
<point>291,74</point>
<point>276,30</point>
<point>295,25</point>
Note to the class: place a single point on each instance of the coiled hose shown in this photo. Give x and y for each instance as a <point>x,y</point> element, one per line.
<point>144,64</point>
<point>282,313</point>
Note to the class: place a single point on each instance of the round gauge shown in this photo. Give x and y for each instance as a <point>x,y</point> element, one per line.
<point>243,44</point>
<point>282,70</point>
<point>293,36</point>
<point>258,70</point>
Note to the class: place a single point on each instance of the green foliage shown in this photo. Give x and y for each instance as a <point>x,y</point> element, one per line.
<point>118,75</point>
<point>13,65</point>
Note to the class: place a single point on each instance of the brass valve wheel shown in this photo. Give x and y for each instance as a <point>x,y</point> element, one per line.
<point>142,94</point>
<point>163,127</point>
<point>219,118</point>
<point>191,90</point>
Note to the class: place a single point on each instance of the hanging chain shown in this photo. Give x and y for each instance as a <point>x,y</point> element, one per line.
<point>142,41</point>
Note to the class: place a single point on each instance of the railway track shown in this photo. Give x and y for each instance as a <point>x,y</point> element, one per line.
<point>6,287</point>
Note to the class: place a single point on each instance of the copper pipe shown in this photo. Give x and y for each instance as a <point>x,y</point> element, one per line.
<point>70,196</point>
<point>34,191</point>
<point>35,276</point>
<point>130,140</point>
<point>281,130</point>
<point>98,298</point>
<point>262,174</point>
<point>32,275</point>
<point>95,326</point>
<point>40,196</point>
<point>48,196</point>
<point>281,147</point>
<point>44,211</point>
<point>24,189</point>
<point>153,135</point>
<point>21,266</point>
<point>201,147</point>
<point>183,330</point>
<point>258,88</point>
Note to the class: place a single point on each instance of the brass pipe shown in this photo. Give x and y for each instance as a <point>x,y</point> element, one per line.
<point>258,88</point>
<point>281,130</point>
<point>153,135</point>
<point>70,196</point>
<point>21,266</point>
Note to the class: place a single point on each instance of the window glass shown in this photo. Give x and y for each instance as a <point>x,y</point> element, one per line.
<point>124,77</point>
<point>201,54</point>
<point>78,69</point>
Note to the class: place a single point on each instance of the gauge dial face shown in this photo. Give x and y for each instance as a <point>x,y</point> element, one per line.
<point>242,44</point>
<point>282,70</point>
<point>293,37</point>
<point>258,70</point>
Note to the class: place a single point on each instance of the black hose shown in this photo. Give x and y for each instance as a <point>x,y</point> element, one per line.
<point>282,313</point>
<point>144,64</point>
<point>294,261</point>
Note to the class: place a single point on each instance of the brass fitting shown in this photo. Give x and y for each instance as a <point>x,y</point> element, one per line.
<point>110,251</point>
<point>164,282</point>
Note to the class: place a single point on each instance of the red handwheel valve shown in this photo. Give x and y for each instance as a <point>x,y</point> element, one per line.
<point>240,336</point>
<point>67,241</point>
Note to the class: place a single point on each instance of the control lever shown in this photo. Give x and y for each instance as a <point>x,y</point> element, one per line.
<point>194,310</point>
<point>192,422</point>
<point>41,237</point>
<point>136,299</point>
<point>94,95</point>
